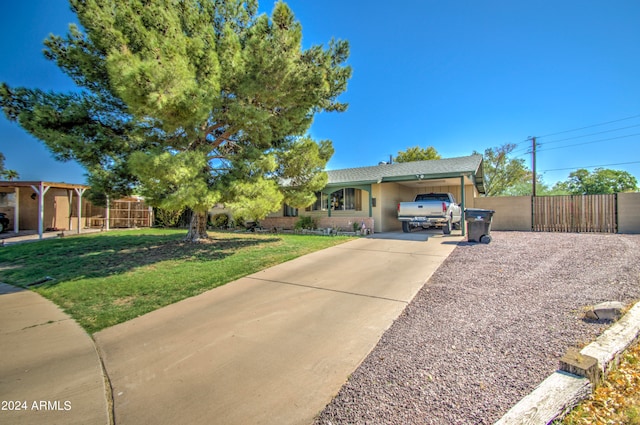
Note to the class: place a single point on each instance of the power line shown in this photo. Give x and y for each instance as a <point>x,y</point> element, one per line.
<point>592,166</point>
<point>589,126</point>
<point>587,143</point>
<point>542,148</point>
<point>592,134</point>
<point>527,150</point>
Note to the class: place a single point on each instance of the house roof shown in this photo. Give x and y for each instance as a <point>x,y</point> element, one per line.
<point>470,166</point>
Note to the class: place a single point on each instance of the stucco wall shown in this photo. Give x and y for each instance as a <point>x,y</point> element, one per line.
<point>56,210</point>
<point>28,210</point>
<point>514,213</point>
<point>376,211</point>
<point>511,212</point>
<point>628,215</point>
<point>62,211</point>
<point>390,195</point>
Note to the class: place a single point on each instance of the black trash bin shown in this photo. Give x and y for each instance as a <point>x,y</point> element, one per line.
<point>478,224</point>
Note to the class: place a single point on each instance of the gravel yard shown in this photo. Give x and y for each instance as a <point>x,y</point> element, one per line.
<point>487,328</point>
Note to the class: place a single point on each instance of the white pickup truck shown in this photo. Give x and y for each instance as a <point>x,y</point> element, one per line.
<point>430,210</point>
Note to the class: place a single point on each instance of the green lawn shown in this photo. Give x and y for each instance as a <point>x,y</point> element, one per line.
<point>107,278</point>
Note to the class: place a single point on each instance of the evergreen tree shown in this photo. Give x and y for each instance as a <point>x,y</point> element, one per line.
<point>192,103</point>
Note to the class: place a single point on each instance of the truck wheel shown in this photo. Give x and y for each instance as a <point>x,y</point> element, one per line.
<point>446,229</point>
<point>406,227</point>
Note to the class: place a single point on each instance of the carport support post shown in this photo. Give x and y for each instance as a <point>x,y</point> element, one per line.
<point>106,215</point>
<point>70,196</point>
<point>79,191</point>
<point>16,212</point>
<point>462,202</point>
<point>40,190</point>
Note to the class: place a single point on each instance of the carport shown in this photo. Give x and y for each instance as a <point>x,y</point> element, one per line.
<point>388,184</point>
<point>15,195</point>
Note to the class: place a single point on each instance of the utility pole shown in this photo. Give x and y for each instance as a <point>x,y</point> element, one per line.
<point>533,198</point>
<point>533,164</point>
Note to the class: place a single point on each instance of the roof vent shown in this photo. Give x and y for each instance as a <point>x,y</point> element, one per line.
<point>387,162</point>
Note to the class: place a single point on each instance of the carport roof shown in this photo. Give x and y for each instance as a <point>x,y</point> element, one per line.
<point>468,166</point>
<point>55,185</point>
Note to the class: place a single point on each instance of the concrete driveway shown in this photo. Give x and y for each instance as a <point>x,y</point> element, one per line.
<point>273,347</point>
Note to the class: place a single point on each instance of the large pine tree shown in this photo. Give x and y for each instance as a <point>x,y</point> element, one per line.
<point>190,102</point>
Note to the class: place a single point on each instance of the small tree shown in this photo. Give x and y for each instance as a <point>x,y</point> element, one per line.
<point>525,187</point>
<point>417,153</point>
<point>502,173</point>
<point>600,181</point>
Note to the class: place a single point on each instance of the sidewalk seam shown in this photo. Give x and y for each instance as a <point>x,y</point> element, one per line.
<point>107,384</point>
<point>327,289</point>
<point>393,252</point>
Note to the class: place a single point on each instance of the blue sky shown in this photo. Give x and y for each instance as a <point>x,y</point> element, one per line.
<point>459,76</point>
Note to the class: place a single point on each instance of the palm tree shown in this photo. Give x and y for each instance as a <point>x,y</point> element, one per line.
<point>11,175</point>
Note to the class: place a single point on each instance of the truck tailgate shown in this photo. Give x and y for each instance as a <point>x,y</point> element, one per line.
<point>421,209</point>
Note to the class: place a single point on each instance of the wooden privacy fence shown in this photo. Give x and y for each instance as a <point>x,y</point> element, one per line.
<point>123,213</point>
<point>575,213</point>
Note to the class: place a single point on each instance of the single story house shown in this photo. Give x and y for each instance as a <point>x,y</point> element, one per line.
<point>362,196</point>
<point>370,195</point>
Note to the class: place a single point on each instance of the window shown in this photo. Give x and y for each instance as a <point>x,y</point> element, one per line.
<point>321,204</point>
<point>290,211</point>
<point>347,199</point>
<point>340,200</point>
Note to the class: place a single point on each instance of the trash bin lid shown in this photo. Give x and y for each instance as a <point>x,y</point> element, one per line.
<point>479,210</point>
<point>478,214</point>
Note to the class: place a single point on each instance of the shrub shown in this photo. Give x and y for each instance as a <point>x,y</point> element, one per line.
<point>220,220</point>
<point>305,222</point>
<point>167,218</point>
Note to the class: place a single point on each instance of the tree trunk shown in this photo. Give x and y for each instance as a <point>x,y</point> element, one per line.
<point>197,227</point>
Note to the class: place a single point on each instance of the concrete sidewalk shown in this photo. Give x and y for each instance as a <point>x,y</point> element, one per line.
<point>270,348</point>
<point>50,372</point>
<point>11,238</point>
